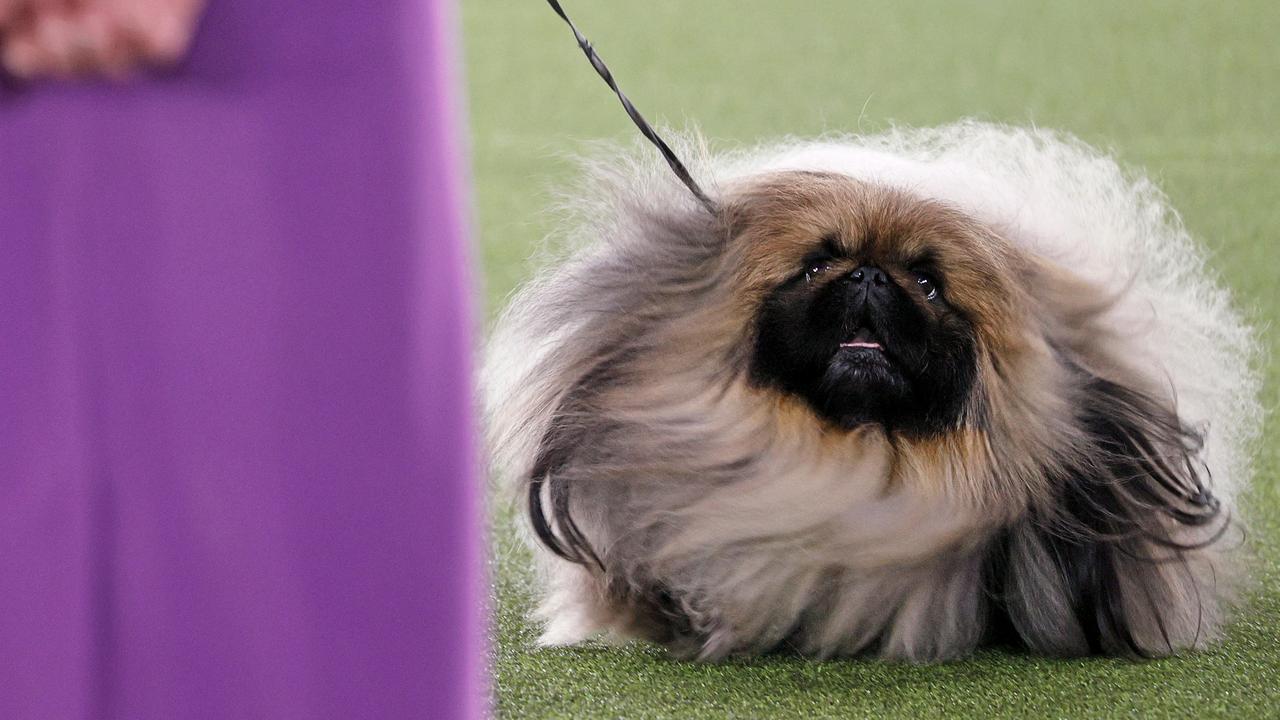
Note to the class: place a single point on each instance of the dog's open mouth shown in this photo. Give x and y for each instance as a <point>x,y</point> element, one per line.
<point>864,339</point>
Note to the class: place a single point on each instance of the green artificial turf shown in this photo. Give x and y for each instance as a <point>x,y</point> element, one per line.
<point>1189,91</point>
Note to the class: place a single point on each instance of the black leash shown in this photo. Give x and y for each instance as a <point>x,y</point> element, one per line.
<point>645,128</point>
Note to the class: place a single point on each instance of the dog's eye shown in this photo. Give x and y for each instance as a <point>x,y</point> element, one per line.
<point>928,285</point>
<point>816,267</point>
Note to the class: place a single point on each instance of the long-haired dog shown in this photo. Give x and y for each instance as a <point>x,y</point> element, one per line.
<point>899,395</point>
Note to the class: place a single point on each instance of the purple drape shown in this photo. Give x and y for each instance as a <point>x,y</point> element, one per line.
<point>236,452</point>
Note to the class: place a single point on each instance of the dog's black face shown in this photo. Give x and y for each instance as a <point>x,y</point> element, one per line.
<point>866,341</point>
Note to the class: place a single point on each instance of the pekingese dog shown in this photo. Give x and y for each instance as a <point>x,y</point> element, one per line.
<point>898,395</point>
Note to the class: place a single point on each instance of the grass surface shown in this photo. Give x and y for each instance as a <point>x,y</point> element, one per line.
<point>1188,91</point>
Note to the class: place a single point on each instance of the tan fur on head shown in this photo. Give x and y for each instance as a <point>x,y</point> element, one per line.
<point>776,219</point>
<point>678,497</point>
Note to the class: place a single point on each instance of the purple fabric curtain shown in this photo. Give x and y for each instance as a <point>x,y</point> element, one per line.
<point>236,451</point>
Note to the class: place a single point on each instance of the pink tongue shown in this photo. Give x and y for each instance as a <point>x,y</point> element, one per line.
<point>861,339</point>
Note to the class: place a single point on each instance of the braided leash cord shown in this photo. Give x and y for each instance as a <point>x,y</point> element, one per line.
<point>645,128</point>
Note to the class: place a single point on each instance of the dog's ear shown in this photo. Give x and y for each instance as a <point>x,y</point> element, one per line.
<point>1119,558</point>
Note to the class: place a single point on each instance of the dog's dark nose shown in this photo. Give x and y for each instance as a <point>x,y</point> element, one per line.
<point>869,274</point>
